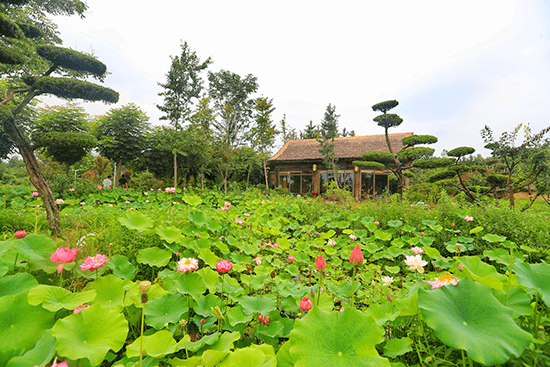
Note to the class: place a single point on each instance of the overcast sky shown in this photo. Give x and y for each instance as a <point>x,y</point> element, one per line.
<point>454,66</point>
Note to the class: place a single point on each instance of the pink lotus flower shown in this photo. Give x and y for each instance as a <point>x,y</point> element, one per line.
<point>258,260</point>
<point>187,264</point>
<point>263,320</point>
<point>320,263</point>
<point>99,187</point>
<point>443,280</point>
<point>422,233</point>
<point>356,256</point>
<point>61,364</point>
<point>415,263</point>
<point>376,222</point>
<point>62,256</point>
<point>331,242</point>
<point>452,224</point>
<point>20,234</point>
<point>238,221</point>
<point>170,190</point>
<point>93,263</point>
<point>387,280</point>
<point>468,218</point>
<point>306,304</point>
<point>291,258</point>
<point>80,308</point>
<point>417,250</point>
<point>352,237</point>
<point>223,266</point>
<point>34,193</point>
<point>59,201</point>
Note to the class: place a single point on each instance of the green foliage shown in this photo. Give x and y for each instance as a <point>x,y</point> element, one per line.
<point>419,139</point>
<point>30,31</point>
<point>388,120</point>
<point>433,163</point>
<point>385,106</point>
<point>411,154</point>
<point>460,152</point>
<point>9,28</point>
<point>370,165</point>
<point>379,156</point>
<point>183,83</point>
<point>9,56</point>
<point>67,58</point>
<point>497,180</point>
<point>121,133</point>
<point>69,88</point>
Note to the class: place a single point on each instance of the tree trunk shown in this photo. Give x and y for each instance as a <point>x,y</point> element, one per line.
<point>35,175</point>
<point>118,168</point>
<point>175,170</point>
<point>265,174</point>
<point>67,166</point>
<point>248,177</point>
<point>226,176</point>
<point>202,178</point>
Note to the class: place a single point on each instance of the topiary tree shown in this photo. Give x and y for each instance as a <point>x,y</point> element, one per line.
<point>29,64</point>
<point>396,162</point>
<point>521,165</point>
<point>62,132</point>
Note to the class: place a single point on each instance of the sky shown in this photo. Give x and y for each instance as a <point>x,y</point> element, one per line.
<point>453,65</point>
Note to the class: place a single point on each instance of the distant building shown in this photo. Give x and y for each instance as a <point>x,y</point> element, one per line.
<point>299,167</point>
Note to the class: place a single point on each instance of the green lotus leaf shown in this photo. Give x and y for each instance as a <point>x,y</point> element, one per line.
<point>199,344</point>
<point>382,312</point>
<point>193,200</point>
<point>122,268</point>
<point>21,325</point>
<point>210,277</point>
<point>260,304</point>
<point>208,257</point>
<point>154,256</point>
<point>136,220</point>
<point>469,317</point>
<point>518,300</point>
<point>170,234</point>
<point>189,283</point>
<point>283,356</point>
<point>198,218</point>
<point>205,304</point>
<point>535,276</point>
<point>16,284</point>
<point>252,356</point>
<point>225,342</point>
<point>397,347</point>
<point>346,338</point>
<point>157,345</point>
<point>91,333</point>
<point>42,353</point>
<point>110,291</point>
<point>55,298</point>
<point>165,309</point>
<point>35,247</point>
<point>395,223</point>
<point>236,316</point>
<point>482,272</point>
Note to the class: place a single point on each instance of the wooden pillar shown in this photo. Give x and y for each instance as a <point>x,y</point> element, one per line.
<point>357,183</point>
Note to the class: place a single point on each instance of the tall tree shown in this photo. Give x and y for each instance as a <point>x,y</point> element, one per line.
<point>28,62</point>
<point>401,161</point>
<point>183,85</point>
<point>121,134</point>
<point>287,132</point>
<point>329,131</point>
<point>310,132</point>
<point>62,132</point>
<point>264,132</point>
<point>230,94</point>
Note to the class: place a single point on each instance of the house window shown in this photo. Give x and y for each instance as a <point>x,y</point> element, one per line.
<point>367,184</point>
<point>345,180</point>
<point>297,182</point>
<point>380,184</point>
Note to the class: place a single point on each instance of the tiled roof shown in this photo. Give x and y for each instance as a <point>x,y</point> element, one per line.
<point>351,147</point>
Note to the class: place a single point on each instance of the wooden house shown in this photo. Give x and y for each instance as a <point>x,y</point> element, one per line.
<point>299,167</point>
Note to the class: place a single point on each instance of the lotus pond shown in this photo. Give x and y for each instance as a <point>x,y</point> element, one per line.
<point>165,278</point>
